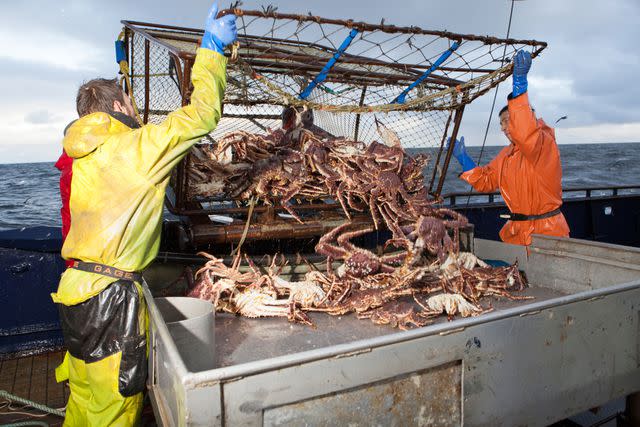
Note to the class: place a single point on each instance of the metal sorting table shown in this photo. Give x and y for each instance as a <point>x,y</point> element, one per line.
<point>573,347</point>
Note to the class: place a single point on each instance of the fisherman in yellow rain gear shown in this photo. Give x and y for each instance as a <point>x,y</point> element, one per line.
<point>120,172</point>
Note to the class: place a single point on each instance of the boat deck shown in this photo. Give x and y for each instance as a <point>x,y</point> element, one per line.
<point>32,378</point>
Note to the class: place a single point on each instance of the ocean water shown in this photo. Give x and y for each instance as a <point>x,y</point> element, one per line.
<point>29,193</point>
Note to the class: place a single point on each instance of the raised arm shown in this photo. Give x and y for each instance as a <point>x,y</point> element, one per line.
<point>159,147</point>
<point>528,133</point>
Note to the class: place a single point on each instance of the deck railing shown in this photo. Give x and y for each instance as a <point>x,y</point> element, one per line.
<point>473,198</point>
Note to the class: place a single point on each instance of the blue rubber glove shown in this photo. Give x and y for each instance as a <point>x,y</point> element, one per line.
<point>521,66</point>
<point>460,153</point>
<point>218,33</point>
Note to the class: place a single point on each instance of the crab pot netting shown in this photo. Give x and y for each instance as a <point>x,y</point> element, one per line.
<point>279,56</point>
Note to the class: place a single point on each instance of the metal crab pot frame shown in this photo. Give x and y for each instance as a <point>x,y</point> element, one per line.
<point>284,59</point>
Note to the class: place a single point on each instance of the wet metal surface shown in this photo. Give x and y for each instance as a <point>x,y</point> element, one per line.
<point>241,340</point>
<point>427,398</point>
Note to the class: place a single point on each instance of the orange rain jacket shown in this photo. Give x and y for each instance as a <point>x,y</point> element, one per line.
<point>528,173</point>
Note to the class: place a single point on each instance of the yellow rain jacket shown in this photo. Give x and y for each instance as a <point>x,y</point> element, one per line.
<point>119,180</point>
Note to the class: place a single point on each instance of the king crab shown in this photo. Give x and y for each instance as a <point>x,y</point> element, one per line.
<point>397,314</point>
<point>358,262</point>
<point>451,304</point>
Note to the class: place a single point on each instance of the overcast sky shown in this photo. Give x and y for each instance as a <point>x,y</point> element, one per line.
<point>590,72</point>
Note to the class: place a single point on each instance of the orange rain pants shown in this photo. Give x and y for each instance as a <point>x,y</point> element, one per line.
<point>528,173</point>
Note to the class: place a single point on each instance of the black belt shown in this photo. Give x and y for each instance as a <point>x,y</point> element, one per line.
<point>523,217</point>
<point>107,270</point>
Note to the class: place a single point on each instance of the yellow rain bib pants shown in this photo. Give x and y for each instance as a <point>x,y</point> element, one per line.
<point>117,192</point>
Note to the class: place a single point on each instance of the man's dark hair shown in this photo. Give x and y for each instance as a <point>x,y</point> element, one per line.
<point>98,95</point>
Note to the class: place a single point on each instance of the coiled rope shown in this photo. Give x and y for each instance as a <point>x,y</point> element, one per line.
<point>13,398</point>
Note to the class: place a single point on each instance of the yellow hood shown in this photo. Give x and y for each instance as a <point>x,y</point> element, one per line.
<point>89,132</point>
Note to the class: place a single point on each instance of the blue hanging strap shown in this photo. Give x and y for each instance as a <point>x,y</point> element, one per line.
<point>120,51</point>
<point>325,70</point>
<point>401,98</point>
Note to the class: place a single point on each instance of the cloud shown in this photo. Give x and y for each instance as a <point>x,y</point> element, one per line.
<point>587,72</point>
<point>600,133</point>
<point>39,117</point>
<point>50,48</point>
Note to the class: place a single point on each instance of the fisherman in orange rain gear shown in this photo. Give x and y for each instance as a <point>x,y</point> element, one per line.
<point>528,172</point>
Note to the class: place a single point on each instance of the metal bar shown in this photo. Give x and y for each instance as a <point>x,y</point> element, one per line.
<point>361,26</point>
<point>181,172</point>
<point>355,60</point>
<point>254,116</point>
<point>270,67</point>
<point>293,359</point>
<point>325,70</point>
<point>346,57</point>
<point>129,35</point>
<point>565,190</point>
<point>136,26</point>
<point>311,64</point>
<point>168,36</point>
<point>445,55</point>
<point>357,127</point>
<point>217,234</point>
<point>146,81</point>
<point>454,135</point>
<point>257,209</point>
<point>437,162</point>
<point>349,59</point>
<point>163,26</point>
<point>149,37</point>
<point>186,81</point>
<point>177,63</point>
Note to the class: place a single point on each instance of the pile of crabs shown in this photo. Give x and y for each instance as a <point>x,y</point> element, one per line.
<point>420,272</point>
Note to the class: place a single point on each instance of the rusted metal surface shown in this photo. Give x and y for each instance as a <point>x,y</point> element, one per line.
<point>226,210</point>
<point>384,28</point>
<point>428,398</point>
<point>277,229</point>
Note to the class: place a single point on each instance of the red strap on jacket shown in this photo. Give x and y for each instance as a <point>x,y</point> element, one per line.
<point>64,165</point>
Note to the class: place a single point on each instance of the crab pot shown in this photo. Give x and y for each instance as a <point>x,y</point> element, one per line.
<point>573,347</point>
<point>350,74</point>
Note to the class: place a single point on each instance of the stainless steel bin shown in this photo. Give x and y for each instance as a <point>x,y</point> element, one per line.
<point>573,347</point>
